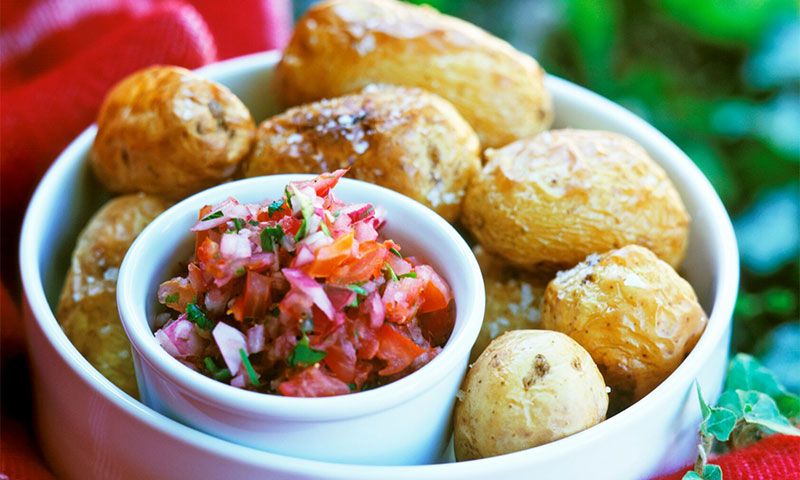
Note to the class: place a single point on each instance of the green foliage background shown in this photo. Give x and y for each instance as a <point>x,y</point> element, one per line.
<point>721,78</point>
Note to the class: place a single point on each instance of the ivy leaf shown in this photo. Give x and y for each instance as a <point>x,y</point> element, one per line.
<point>303,355</point>
<point>746,373</point>
<point>717,421</point>
<point>691,475</point>
<point>712,472</point>
<point>758,408</point>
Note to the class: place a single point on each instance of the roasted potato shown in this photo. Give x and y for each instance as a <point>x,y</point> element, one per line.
<point>632,312</point>
<point>546,202</point>
<point>87,310</point>
<point>340,46</point>
<point>169,132</point>
<point>513,299</point>
<point>405,139</point>
<point>528,388</point>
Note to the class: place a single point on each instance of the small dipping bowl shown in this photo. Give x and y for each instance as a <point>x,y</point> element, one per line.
<point>406,422</point>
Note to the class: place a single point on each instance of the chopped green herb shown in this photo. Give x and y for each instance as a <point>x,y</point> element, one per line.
<point>408,275</point>
<point>357,288</point>
<point>275,206</point>
<point>301,232</point>
<point>270,237</point>
<point>239,272</point>
<point>211,366</point>
<point>211,216</point>
<point>352,387</point>
<point>197,316</point>
<point>354,303</point>
<point>171,298</point>
<point>388,267</point>
<point>276,311</point>
<point>324,229</point>
<point>288,196</point>
<point>396,252</point>
<point>249,367</point>
<point>222,375</point>
<point>304,355</point>
<point>253,223</point>
<point>238,224</point>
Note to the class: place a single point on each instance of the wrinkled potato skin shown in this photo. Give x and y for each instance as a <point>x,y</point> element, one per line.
<point>513,299</point>
<point>528,388</point>
<point>169,132</point>
<point>633,313</point>
<point>546,202</point>
<point>340,46</point>
<point>405,139</point>
<point>87,310</point>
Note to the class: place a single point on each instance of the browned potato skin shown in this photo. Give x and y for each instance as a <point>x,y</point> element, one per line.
<point>87,310</point>
<point>513,299</point>
<point>528,388</point>
<point>546,202</point>
<point>340,46</point>
<point>169,132</point>
<point>633,313</point>
<point>405,139</point>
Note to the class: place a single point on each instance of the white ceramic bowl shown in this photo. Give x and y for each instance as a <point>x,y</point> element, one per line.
<point>406,422</point>
<point>88,428</point>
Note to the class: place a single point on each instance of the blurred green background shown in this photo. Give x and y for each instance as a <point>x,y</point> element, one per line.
<point>721,78</point>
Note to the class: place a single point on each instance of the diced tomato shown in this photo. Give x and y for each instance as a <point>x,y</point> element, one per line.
<point>436,294</point>
<point>363,267</point>
<point>208,250</point>
<point>366,339</point>
<point>438,325</point>
<point>290,225</point>
<point>313,382</point>
<point>396,349</point>
<point>255,301</point>
<point>202,234</point>
<point>340,358</point>
<point>176,293</point>
<point>329,257</point>
<point>401,299</point>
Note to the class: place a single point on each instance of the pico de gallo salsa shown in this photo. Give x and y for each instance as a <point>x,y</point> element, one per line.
<point>301,297</point>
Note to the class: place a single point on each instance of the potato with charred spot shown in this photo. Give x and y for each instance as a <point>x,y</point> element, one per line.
<point>340,46</point>
<point>405,139</point>
<point>87,310</point>
<point>546,202</point>
<point>169,132</point>
<point>633,313</point>
<point>528,388</point>
<point>513,299</point>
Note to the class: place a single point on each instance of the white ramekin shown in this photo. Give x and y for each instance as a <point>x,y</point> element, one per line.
<point>406,422</point>
<point>89,429</point>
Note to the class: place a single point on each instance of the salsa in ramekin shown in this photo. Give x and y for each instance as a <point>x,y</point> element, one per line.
<point>301,297</point>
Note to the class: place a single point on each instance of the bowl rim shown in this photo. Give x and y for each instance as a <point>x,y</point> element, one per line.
<point>724,295</point>
<point>469,311</point>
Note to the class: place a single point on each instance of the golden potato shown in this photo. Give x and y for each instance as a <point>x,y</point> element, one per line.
<point>87,310</point>
<point>632,312</point>
<point>405,139</point>
<point>340,46</point>
<point>528,388</point>
<point>513,299</point>
<point>169,132</point>
<point>546,202</point>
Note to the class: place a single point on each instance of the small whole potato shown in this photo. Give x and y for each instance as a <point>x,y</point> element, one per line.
<point>528,388</point>
<point>87,309</point>
<point>513,299</point>
<point>546,202</point>
<point>169,132</point>
<point>632,312</point>
<point>340,46</point>
<point>405,139</point>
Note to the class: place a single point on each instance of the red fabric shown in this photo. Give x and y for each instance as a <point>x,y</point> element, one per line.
<point>58,58</point>
<point>774,458</point>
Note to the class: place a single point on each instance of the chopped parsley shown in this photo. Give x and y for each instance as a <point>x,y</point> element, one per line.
<point>196,316</point>
<point>389,268</point>
<point>253,223</point>
<point>408,275</point>
<point>396,252</point>
<point>276,205</point>
<point>270,237</point>
<point>301,232</point>
<point>171,298</point>
<point>212,216</point>
<point>357,288</point>
<point>249,367</point>
<point>238,224</point>
<point>304,355</point>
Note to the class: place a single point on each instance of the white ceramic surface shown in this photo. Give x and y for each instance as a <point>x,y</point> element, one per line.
<point>414,411</point>
<point>89,429</point>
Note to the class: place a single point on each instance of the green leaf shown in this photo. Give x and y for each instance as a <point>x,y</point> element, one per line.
<point>275,206</point>
<point>712,472</point>
<point>396,252</point>
<point>357,288</point>
<point>746,373</point>
<point>691,475</point>
<point>389,268</point>
<point>195,315</point>
<point>211,216</point>
<point>760,409</point>
<point>249,368</point>
<point>270,237</point>
<point>408,275</point>
<point>171,298</point>
<point>238,224</point>
<point>303,355</point>
<point>717,421</point>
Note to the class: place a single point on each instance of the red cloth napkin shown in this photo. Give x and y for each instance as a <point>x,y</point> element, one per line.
<point>58,58</point>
